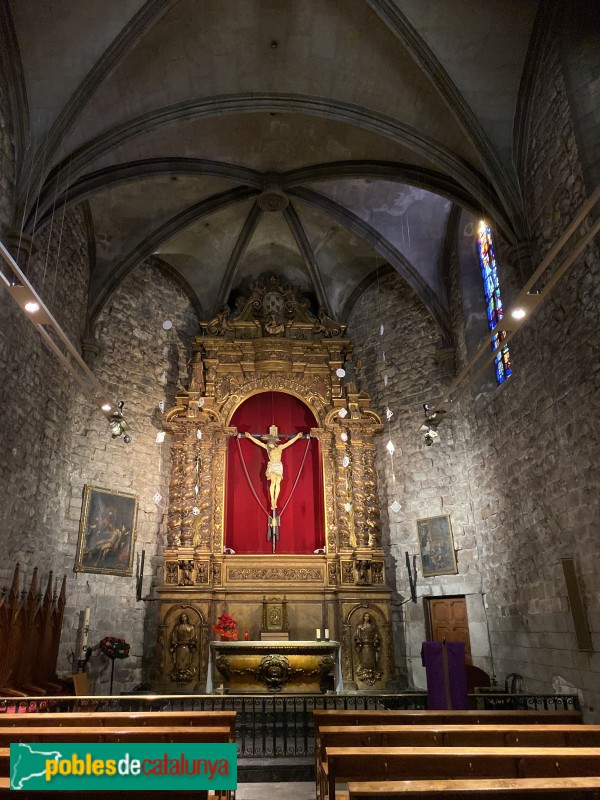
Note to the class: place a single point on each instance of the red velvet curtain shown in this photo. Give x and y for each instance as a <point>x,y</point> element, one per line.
<point>246,522</point>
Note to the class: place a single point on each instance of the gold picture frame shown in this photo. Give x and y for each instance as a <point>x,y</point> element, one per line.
<point>436,546</point>
<point>107,532</point>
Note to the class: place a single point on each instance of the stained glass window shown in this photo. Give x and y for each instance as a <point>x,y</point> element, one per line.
<point>493,301</point>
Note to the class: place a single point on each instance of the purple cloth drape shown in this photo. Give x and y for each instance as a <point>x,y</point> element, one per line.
<point>444,664</point>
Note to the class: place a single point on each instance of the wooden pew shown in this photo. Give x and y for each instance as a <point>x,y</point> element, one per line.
<point>102,733</point>
<point>510,789</point>
<point>451,736</point>
<point>456,736</point>
<point>125,718</point>
<point>390,717</point>
<point>347,764</point>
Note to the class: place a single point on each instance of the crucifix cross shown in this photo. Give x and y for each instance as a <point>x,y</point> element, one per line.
<point>274,472</point>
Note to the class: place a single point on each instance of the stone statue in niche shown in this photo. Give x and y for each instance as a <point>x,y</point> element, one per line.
<point>367,643</point>
<point>196,372</point>
<point>183,647</point>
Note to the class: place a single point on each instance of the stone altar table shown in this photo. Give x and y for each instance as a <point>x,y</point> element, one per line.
<point>286,667</point>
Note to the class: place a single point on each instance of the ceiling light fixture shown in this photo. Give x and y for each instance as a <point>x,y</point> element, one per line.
<point>518,313</point>
<point>31,307</point>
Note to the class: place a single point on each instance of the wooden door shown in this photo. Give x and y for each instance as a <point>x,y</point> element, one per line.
<point>448,620</point>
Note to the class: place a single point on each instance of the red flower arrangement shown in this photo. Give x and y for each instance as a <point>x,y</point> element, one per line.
<point>112,647</point>
<point>226,627</point>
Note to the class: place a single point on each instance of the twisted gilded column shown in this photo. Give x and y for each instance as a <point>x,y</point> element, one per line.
<point>204,496</point>
<point>358,489</point>
<point>372,512</point>
<point>325,439</point>
<point>219,460</point>
<point>342,494</point>
<point>188,487</point>
<point>175,490</point>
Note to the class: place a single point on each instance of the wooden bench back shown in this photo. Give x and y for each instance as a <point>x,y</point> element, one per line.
<point>510,789</point>
<point>457,735</point>
<point>384,717</point>
<point>129,718</point>
<point>346,764</point>
<point>102,733</point>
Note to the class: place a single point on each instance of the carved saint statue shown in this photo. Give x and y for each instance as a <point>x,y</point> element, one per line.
<point>196,372</point>
<point>367,643</point>
<point>274,450</point>
<point>183,646</point>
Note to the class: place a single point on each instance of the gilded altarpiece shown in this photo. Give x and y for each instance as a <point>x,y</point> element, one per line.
<point>272,343</point>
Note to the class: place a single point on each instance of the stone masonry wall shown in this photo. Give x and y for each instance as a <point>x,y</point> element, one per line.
<point>536,475</point>
<point>141,363</point>
<point>53,442</point>
<point>36,396</point>
<point>427,481</point>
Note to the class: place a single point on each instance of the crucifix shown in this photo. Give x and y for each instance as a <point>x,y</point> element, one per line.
<point>274,473</point>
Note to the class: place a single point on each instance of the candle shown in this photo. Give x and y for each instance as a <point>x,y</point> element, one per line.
<point>326,634</point>
<point>85,634</point>
<point>318,637</point>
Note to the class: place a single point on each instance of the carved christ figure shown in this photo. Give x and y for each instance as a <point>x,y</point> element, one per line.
<point>274,450</point>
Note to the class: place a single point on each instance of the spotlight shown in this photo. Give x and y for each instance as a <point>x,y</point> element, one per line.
<point>127,439</point>
<point>107,407</point>
<point>518,313</point>
<point>31,307</point>
<point>428,440</point>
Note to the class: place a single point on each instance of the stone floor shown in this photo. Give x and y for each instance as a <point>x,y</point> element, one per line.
<point>262,791</point>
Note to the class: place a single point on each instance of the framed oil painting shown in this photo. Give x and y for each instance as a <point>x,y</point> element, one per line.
<point>107,532</point>
<point>436,546</point>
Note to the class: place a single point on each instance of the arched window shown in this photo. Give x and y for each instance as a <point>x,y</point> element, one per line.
<point>493,301</point>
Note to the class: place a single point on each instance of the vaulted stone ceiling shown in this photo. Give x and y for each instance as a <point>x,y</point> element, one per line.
<point>325,140</point>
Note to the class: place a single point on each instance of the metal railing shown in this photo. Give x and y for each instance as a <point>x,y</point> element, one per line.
<point>278,726</point>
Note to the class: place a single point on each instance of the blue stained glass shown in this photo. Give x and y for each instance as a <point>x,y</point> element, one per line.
<point>493,301</point>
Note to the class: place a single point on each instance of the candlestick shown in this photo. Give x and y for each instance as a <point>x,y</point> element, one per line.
<point>85,634</point>
<point>318,636</point>
<point>326,634</point>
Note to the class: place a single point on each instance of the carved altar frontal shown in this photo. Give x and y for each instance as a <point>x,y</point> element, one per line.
<point>279,667</point>
<point>227,543</point>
